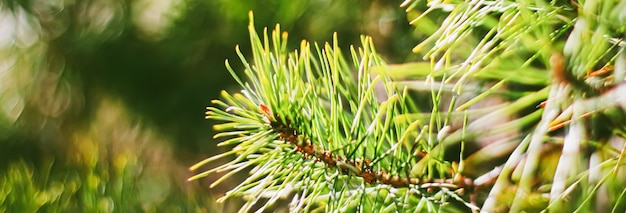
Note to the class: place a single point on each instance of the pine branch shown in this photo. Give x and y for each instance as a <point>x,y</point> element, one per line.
<point>572,50</point>
<point>307,128</point>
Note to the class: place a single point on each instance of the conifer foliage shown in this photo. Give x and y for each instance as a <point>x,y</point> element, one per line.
<point>524,111</point>
<point>312,123</point>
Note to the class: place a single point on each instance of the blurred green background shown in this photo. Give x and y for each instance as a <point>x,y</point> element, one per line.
<point>102,102</point>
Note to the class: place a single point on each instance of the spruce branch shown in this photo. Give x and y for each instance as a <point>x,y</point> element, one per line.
<point>321,129</point>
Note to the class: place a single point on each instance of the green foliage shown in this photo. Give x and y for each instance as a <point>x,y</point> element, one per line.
<point>308,128</point>
<point>568,48</point>
<point>60,61</point>
<point>97,188</point>
<point>518,107</point>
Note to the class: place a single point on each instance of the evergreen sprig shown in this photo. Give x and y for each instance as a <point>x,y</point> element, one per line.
<point>311,125</point>
<point>569,158</point>
<point>309,129</point>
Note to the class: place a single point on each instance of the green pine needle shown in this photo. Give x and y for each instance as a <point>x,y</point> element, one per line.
<point>353,134</point>
<point>320,129</point>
